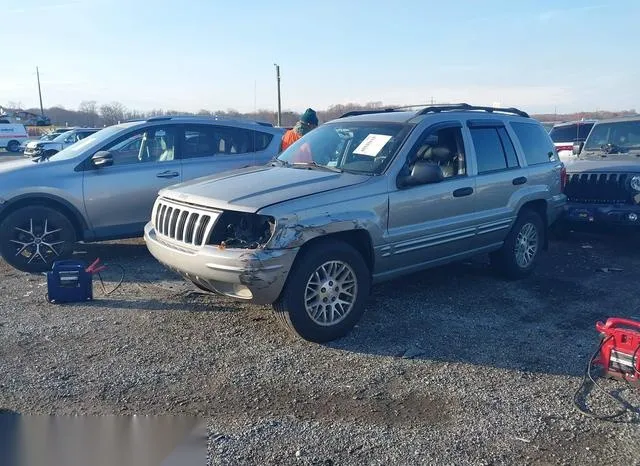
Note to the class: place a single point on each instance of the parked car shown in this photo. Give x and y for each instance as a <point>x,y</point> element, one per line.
<point>50,136</point>
<point>42,148</point>
<point>104,186</point>
<point>603,183</point>
<point>11,136</point>
<point>362,199</point>
<point>565,135</point>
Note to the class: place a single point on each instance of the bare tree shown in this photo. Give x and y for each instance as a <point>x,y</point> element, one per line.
<point>112,113</point>
<point>89,109</point>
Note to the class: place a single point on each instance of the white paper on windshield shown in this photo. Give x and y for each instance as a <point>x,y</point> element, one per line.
<point>372,145</point>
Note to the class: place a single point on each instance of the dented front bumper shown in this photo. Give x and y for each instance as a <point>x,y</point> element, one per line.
<point>255,275</point>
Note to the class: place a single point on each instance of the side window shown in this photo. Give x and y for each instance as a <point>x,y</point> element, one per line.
<point>443,147</point>
<point>491,155</point>
<point>155,144</point>
<point>207,140</point>
<point>535,143</point>
<point>200,141</point>
<point>509,150</point>
<point>261,140</point>
<point>235,140</point>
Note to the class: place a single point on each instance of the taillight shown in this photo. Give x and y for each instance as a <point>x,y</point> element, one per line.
<point>559,148</point>
<point>563,178</point>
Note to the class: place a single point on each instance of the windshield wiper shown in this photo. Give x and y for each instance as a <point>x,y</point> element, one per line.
<point>276,161</point>
<point>317,165</point>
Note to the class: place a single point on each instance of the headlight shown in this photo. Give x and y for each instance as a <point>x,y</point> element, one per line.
<point>635,183</point>
<point>242,230</point>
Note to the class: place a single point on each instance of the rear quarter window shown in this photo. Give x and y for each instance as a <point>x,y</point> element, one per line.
<point>536,143</point>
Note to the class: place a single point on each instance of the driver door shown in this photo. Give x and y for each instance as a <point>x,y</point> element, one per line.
<point>119,198</point>
<point>435,221</point>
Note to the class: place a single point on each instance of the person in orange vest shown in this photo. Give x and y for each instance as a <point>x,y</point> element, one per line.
<point>307,122</point>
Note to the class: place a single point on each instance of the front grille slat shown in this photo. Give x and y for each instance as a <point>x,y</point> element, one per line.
<point>598,188</point>
<point>184,223</point>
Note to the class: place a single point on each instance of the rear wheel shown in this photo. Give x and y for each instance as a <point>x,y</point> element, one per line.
<point>326,292</point>
<point>32,238</point>
<point>13,146</point>
<point>519,254</point>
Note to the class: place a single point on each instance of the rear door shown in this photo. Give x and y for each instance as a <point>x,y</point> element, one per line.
<point>208,149</point>
<point>499,175</point>
<point>119,198</point>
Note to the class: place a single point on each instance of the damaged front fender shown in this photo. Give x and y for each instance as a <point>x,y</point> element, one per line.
<point>292,232</point>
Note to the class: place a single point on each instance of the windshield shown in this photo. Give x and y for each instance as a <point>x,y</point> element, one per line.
<point>95,139</point>
<point>62,137</point>
<point>571,133</point>
<point>356,147</point>
<point>621,134</point>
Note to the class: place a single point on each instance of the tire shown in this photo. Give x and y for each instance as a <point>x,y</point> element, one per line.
<point>25,243</point>
<point>508,261</point>
<point>339,261</point>
<point>13,146</point>
<point>49,153</point>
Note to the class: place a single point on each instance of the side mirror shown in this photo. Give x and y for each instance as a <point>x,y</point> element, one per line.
<point>577,148</point>
<point>423,172</point>
<point>102,159</point>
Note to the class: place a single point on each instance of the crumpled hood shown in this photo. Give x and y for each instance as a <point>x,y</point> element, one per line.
<point>45,145</point>
<point>611,163</point>
<point>253,188</point>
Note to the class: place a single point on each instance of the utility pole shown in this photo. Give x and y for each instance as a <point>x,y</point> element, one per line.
<point>39,92</point>
<point>279,101</point>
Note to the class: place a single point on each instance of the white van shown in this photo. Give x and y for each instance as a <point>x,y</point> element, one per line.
<point>12,136</point>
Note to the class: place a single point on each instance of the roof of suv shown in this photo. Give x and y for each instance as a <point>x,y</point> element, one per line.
<point>402,115</point>
<point>620,119</point>
<point>203,119</point>
<point>576,122</point>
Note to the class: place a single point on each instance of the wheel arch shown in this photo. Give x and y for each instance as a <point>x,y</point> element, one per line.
<point>51,201</point>
<point>540,207</point>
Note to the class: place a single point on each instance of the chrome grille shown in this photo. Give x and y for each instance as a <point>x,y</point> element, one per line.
<point>184,223</point>
<point>598,188</point>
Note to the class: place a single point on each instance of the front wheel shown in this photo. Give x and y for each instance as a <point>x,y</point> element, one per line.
<point>13,146</point>
<point>519,254</point>
<point>326,292</point>
<point>32,238</point>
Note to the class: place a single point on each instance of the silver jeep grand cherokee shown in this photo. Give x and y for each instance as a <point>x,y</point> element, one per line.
<point>365,198</point>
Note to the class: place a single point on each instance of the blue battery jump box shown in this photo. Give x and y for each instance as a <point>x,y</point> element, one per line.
<point>69,282</point>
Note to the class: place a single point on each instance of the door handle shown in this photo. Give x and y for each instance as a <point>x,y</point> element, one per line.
<point>463,192</point>
<point>168,174</point>
<point>520,180</point>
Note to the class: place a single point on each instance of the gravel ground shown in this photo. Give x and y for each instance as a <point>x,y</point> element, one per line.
<point>449,366</point>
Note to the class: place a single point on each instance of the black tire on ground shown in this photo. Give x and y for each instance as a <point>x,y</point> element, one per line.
<point>32,238</point>
<point>13,146</point>
<point>508,261</point>
<point>307,271</point>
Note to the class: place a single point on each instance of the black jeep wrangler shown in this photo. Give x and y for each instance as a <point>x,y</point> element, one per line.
<point>603,179</point>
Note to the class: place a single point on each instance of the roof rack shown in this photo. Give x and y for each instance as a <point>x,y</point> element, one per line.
<point>207,117</point>
<point>435,108</point>
<point>463,106</point>
<point>367,112</point>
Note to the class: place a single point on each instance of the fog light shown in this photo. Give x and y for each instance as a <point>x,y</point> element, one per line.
<point>632,217</point>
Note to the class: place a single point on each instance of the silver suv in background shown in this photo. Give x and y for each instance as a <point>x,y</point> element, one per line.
<point>103,187</point>
<point>47,148</point>
<point>565,135</point>
<point>368,197</point>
